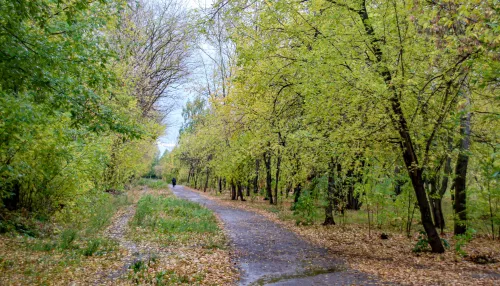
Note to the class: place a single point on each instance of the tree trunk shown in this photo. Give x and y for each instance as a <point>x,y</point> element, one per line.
<point>206,182</point>
<point>256,178</point>
<point>220,185</point>
<point>330,195</point>
<point>189,176</point>
<point>461,175</point>
<point>267,162</point>
<point>400,124</point>
<point>296,193</point>
<point>352,200</point>
<point>437,196</point>
<point>195,176</point>
<point>278,164</point>
<point>435,200</point>
<point>398,183</point>
<point>240,192</point>
<point>249,183</point>
<point>233,191</point>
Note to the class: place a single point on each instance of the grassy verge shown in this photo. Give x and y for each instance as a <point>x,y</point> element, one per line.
<point>66,248</point>
<point>184,243</point>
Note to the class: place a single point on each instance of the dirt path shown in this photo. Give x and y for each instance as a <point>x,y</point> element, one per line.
<point>268,254</point>
<point>117,231</point>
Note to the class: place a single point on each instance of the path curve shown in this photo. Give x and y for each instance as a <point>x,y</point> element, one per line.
<point>268,254</point>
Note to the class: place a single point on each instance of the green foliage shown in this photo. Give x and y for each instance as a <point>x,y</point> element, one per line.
<point>301,91</point>
<point>69,123</point>
<point>92,247</point>
<point>422,243</point>
<point>305,209</point>
<point>461,240</point>
<point>153,183</point>
<point>67,238</point>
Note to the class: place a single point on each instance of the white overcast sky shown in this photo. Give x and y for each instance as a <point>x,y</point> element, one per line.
<point>174,120</point>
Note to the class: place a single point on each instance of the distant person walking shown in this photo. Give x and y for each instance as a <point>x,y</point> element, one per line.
<point>173,182</point>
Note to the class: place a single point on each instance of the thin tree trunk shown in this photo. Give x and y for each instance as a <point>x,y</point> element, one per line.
<point>206,182</point>
<point>248,187</point>
<point>296,193</point>
<point>240,192</point>
<point>330,195</point>
<point>267,162</point>
<point>189,176</point>
<point>398,183</point>
<point>220,185</point>
<point>407,146</point>
<point>256,178</point>
<point>233,191</point>
<point>278,164</point>
<point>437,197</point>
<point>460,182</point>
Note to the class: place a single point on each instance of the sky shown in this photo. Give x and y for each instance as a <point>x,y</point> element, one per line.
<point>174,120</point>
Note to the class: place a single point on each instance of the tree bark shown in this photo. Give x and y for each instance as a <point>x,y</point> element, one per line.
<point>460,181</point>
<point>240,192</point>
<point>439,191</point>
<point>233,191</point>
<point>267,162</point>
<point>296,192</point>
<point>206,182</point>
<point>256,178</point>
<point>330,195</point>
<point>407,147</point>
<point>278,164</point>
<point>249,183</point>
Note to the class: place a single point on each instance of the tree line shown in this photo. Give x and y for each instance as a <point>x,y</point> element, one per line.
<point>365,101</point>
<point>84,87</point>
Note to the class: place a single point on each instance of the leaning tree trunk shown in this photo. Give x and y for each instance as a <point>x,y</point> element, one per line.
<point>401,125</point>
<point>330,195</point>
<point>267,162</point>
<point>461,175</point>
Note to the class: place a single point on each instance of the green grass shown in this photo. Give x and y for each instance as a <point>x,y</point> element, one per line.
<point>153,183</point>
<point>78,232</point>
<point>175,220</point>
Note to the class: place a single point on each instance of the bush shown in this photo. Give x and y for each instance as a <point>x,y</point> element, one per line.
<point>305,210</point>
<point>67,237</point>
<point>92,247</point>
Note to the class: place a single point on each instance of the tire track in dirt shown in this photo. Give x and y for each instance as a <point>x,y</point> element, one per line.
<point>268,254</point>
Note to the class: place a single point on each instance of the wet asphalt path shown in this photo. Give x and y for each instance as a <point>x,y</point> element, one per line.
<point>268,254</point>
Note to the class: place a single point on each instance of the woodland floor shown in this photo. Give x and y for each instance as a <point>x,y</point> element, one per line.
<point>267,253</point>
<point>266,238</point>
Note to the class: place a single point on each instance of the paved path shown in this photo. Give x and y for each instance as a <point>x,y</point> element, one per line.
<point>268,254</point>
